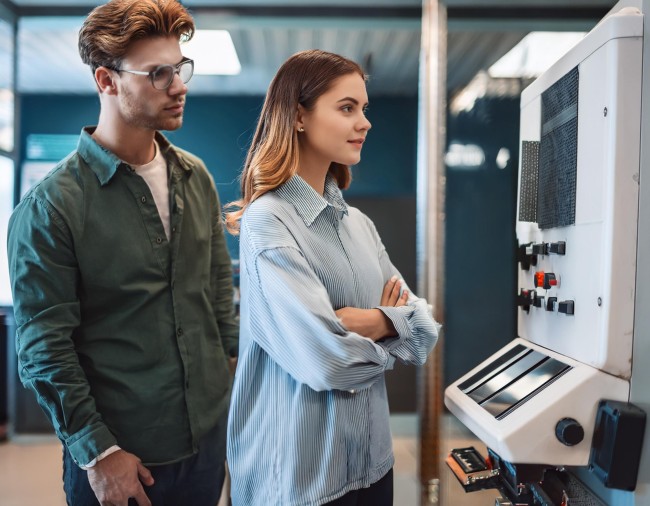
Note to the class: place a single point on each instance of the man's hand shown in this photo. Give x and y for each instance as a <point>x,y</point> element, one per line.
<point>232,365</point>
<point>118,477</point>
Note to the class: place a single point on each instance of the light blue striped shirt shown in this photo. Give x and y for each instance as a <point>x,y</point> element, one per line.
<point>309,416</point>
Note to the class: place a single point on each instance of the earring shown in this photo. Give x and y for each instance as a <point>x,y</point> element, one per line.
<point>301,129</point>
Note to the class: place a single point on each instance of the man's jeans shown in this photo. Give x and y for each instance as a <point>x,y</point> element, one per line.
<point>195,481</point>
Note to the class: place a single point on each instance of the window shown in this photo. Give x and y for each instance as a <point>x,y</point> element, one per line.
<point>6,207</point>
<point>6,86</point>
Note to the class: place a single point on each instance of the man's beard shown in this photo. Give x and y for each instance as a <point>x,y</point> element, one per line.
<point>135,114</point>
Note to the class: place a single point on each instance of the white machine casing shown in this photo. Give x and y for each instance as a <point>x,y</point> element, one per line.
<point>597,273</point>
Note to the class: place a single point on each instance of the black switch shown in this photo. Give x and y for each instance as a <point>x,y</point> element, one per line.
<point>538,301</point>
<point>550,303</point>
<point>524,257</point>
<point>540,249</point>
<point>559,248</point>
<point>566,307</point>
<point>524,299</point>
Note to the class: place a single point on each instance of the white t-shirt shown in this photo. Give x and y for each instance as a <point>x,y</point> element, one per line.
<point>155,174</point>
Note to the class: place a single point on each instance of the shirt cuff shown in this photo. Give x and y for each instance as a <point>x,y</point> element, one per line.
<point>101,456</point>
<point>86,444</point>
<point>399,318</point>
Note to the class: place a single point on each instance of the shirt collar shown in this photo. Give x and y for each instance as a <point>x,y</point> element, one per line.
<point>105,164</point>
<point>308,203</point>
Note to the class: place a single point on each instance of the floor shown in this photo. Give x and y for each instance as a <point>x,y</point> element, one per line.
<point>30,468</point>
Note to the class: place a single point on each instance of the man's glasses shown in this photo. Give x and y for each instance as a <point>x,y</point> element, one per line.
<point>163,75</point>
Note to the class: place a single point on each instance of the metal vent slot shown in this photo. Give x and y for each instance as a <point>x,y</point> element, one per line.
<point>558,156</point>
<point>528,183</point>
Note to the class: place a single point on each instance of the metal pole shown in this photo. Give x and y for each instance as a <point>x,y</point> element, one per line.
<point>430,233</point>
<point>640,394</point>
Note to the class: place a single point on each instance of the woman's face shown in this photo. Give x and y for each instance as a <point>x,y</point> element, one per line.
<point>335,129</point>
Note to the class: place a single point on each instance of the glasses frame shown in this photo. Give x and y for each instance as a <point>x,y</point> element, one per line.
<point>176,69</point>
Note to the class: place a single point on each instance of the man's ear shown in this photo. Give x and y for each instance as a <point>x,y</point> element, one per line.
<point>105,79</point>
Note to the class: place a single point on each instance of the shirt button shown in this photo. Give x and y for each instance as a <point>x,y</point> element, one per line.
<point>143,199</point>
<point>173,229</point>
<point>179,332</point>
<point>159,240</point>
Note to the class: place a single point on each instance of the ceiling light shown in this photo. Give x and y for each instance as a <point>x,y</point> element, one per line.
<point>213,53</point>
<point>464,156</point>
<point>534,54</point>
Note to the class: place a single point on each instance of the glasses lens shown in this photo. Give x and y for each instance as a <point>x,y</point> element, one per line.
<point>186,70</point>
<point>162,77</point>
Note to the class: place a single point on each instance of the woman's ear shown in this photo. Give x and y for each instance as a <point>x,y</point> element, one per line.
<point>105,80</point>
<point>300,118</point>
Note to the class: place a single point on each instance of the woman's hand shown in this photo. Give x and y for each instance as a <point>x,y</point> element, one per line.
<point>373,323</point>
<point>390,296</point>
<point>370,323</point>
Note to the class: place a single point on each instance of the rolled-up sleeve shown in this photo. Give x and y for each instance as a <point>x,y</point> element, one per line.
<point>44,278</point>
<point>294,322</point>
<point>417,330</point>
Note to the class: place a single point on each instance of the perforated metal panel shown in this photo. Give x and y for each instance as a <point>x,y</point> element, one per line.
<point>556,196</point>
<point>528,183</point>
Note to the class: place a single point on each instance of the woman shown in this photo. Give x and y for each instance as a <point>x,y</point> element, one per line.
<point>323,311</point>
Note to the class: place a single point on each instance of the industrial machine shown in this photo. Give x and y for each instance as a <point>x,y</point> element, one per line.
<point>557,396</point>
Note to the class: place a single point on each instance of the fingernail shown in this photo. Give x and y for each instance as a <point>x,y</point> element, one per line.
<point>393,279</point>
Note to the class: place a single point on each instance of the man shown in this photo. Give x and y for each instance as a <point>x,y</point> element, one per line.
<point>122,281</point>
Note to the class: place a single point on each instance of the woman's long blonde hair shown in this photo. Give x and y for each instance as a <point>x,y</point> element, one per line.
<point>273,157</point>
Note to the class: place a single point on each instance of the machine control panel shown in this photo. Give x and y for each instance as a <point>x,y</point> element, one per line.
<point>535,402</point>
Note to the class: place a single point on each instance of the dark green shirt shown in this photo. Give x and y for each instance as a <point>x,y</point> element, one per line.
<point>123,335</point>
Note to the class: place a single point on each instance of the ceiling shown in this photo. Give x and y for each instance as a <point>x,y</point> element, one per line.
<point>382,35</point>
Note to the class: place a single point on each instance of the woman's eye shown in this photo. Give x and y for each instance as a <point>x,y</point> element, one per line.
<point>346,108</point>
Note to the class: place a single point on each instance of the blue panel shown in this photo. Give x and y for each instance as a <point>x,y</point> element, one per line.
<point>50,147</point>
<point>220,129</point>
<point>480,242</point>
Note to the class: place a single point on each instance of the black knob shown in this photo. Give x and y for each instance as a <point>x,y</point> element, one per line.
<point>569,432</point>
